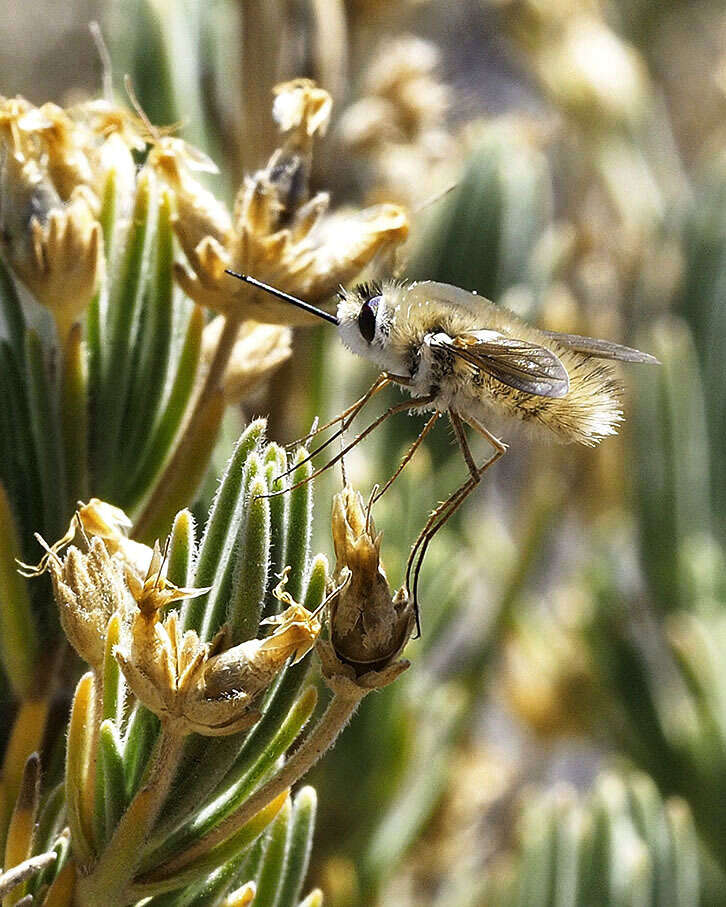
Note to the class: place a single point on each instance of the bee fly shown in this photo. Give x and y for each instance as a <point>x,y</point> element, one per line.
<point>459,354</point>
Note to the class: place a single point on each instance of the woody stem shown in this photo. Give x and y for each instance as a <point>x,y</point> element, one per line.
<point>338,713</point>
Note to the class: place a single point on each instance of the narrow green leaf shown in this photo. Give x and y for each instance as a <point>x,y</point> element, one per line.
<point>317,581</point>
<point>18,635</point>
<point>74,416</point>
<point>111,753</point>
<point>236,793</point>
<point>273,865</point>
<point>143,729</point>
<point>275,464</point>
<point>127,288</point>
<point>47,439</point>
<point>299,526</point>
<point>181,549</point>
<point>51,819</point>
<point>216,535</point>
<point>251,568</point>
<point>298,847</point>
<point>154,341</point>
<point>219,598</point>
<point>227,850</point>
<point>154,453</point>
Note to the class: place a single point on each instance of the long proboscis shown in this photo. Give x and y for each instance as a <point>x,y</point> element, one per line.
<point>285,297</point>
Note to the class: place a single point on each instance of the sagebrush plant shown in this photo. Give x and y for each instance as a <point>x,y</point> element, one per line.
<point>170,782</point>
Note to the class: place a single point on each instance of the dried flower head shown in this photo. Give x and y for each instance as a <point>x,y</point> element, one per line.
<point>191,686</point>
<point>368,625</point>
<point>89,589</point>
<point>259,350</point>
<point>56,249</point>
<point>278,233</point>
<point>399,125</point>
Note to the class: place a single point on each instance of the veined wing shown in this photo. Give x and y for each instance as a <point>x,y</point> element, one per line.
<point>520,364</point>
<point>601,349</point>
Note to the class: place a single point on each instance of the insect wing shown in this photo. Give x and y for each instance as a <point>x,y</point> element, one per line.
<point>602,349</point>
<point>520,364</point>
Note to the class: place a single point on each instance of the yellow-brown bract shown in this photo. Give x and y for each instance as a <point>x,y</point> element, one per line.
<point>459,354</point>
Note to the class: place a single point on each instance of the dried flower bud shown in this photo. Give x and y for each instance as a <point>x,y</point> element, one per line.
<point>259,350</point>
<point>55,249</point>
<point>89,589</point>
<point>193,689</point>
<point>63,146</point>
<point>368,625</point>
<point>302,109</point>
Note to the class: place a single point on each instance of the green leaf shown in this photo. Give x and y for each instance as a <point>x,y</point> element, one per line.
<point>18,635</point>
<point>143,729</point>
<point>74,416</point>
<point>298,847</point>
<point>251,567</point>
<point>158,445</point>
<point>238,785</point>
<point>127,288</point>
<point>275,464</point>
<point>149,375</point>
<point>216,539</point>
<point>111,754</point>
<point>47,439</point>
<point>273,864</point>
<point>233,554</point>
<point>299,525</point>
<point>181,550</point>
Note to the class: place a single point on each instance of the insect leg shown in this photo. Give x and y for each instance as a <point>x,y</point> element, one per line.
<point>391,411</point>
<point>407,456</point>
<point>444,511</point>
<point>352,411</point>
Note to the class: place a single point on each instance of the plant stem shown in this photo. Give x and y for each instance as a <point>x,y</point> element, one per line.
<point>316,744</point>
<point>107,882</point>
<point>212,383</point>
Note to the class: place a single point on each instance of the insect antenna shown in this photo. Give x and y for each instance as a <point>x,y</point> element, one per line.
<point>285,297</point>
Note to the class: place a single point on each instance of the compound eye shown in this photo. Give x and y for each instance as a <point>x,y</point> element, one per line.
<point>367,318</point>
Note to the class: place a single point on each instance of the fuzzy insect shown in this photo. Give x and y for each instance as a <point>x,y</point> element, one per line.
<point>458,354</point>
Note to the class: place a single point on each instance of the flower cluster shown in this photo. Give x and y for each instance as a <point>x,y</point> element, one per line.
<point>278,232</point>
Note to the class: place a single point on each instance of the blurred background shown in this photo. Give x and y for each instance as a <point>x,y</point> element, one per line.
<point>561,735</point>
